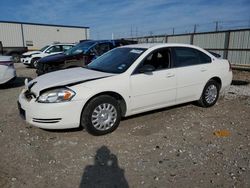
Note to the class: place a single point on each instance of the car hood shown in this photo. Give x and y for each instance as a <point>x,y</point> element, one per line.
<point>63,78</point>
<point>56,58</point>
<point>32,52</point>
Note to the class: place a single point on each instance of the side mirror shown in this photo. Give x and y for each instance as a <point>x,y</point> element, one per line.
<point>147,69</point>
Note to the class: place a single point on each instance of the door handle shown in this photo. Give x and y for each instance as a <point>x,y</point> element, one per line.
<point>169,75</point>
<point>203,69</point>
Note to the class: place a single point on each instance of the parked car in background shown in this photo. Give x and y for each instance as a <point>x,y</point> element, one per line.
<point>31,58</point>
<point>7,69</point>
<point>78,56</point>
<point>124,81</point>
<point>14,51</point>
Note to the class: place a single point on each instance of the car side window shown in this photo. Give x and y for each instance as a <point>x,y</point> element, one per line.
<point>159,59</point>
<point>66,47</point>
<point>54,49</point>
<point>185,56</point>
<point>204,58</point>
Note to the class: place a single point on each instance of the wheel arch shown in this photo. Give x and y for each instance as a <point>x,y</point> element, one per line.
<point>201,102</point>
<point>217,79</point>
<point>36,57</point>
<point>117,96</point>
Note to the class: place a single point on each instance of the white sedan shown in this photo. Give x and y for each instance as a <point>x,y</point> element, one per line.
<point>31,58</point>
<point>7,69</point>
<point>124,81</point>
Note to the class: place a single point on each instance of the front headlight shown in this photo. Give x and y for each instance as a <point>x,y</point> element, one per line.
<point>56,95</point>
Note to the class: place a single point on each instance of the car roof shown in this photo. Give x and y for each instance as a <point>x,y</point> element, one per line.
<point>157,45</point>
<point>103,41</point>
<point>61,44</point>
<point>97,41</point>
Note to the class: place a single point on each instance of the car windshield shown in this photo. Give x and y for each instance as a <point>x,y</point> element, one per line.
<point>44,48</point>
<point>80,48</point>
<point>117,60</point>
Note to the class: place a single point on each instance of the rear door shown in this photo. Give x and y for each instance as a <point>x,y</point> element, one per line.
<point>154,89</point>
<point>192,72</point>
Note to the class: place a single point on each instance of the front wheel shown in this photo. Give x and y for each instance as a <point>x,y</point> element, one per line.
<point>33,62</point>
<point>210,94</point>
<point>102,115</point>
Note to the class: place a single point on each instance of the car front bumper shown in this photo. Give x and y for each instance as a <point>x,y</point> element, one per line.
<point>63,115</point>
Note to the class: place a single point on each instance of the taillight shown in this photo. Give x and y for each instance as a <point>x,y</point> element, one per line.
<point>230,66</point>
<point>7,63</point>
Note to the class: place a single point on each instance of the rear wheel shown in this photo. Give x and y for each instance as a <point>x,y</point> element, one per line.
<point>210,94</point>
<point>102,115</point>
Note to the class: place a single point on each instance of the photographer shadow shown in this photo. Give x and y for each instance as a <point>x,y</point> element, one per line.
<point>105,172</point>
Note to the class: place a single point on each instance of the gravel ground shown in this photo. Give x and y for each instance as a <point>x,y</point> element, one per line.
<point>181,146</point>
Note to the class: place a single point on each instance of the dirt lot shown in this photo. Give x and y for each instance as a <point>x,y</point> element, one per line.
<point>173,147</point>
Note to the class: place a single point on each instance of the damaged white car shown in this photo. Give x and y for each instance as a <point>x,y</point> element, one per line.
<point>124,81</point>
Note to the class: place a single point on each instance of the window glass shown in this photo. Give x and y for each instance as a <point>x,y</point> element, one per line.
<point>82,47</point>
<point>100,49</point>
<point>66,47</point>
<point>44,48</point>
<point>54,49</point>
<point>117,60</point>
<point>204,58</point>
<point>160,59</point>
<point>185,56</point>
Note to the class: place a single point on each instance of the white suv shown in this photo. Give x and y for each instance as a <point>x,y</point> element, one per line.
<point>31,58</point>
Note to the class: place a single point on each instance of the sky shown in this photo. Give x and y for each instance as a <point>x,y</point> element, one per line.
<point>126,18</point>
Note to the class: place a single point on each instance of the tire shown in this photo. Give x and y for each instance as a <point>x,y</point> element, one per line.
<point>210,94</point>
<point>101,115</point>
<point>33,62</point>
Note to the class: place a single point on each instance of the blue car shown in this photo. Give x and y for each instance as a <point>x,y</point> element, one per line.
<point>78,56</point>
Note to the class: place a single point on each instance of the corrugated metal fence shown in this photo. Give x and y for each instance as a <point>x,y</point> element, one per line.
<point>233,45</point>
